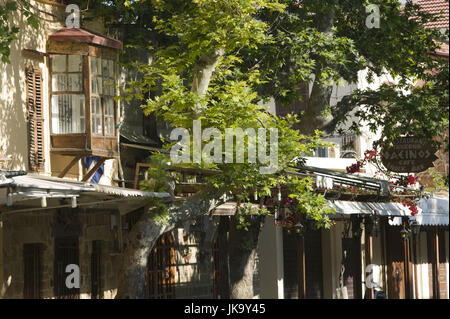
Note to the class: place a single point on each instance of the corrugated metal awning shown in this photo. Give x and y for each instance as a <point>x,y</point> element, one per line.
<point>25,190</point>
<point>435,211</point>
<point>368,208</point>
<point>54,185</point>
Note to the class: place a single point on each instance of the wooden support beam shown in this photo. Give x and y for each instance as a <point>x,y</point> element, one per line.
<point>357,258</point>
<point>407,266</point>
<point>94,169</point>
<point>436,288</point>
<point>69,166</point>
<point>383,254</point>
<point>136,176</point>
<point>368,245</point>
<point>407,269</point>
<point>301,258</point>
<point>302,268</point>
<point>415,261</point>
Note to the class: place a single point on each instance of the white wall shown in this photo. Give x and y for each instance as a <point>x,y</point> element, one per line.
<point>267,260</point>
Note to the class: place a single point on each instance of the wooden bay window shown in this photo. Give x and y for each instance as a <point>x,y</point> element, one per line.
<point>82,90</point>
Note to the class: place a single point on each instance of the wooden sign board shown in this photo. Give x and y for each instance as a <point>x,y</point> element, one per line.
<point>408,155</point>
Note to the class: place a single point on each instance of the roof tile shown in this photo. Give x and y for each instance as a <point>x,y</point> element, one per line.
<point>437,7</point>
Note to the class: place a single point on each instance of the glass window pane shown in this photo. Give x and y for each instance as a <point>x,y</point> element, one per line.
<point>59,82</point>
<point>109,126</point>
<point>111,68</point>
<point>96,115</point>
<point>93,105</point>
<point>99,85</point>
<point>105,70</point>
<point>75,63</point>
<point>68,114</point>
<point>109,106</point>
<point>107,87</point>
<point>74,82</point>
<point>55,113</point>
<point>82,109</point>
<point>98,66</point>
<point>97,125</point>
<point>94,87</point>
<point>59,63</point>
<point>78,113</point>
<point>93,65</point>
<point>82,124</point>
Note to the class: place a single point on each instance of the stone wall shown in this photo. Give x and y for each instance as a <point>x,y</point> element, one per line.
<point>192,247</point>
<point>36,228</point>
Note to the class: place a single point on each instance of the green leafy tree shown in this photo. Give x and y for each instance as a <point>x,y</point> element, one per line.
<point>8,29</point>
<point>215,61</point>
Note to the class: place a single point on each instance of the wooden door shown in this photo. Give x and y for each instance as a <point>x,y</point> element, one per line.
<point>395,263</point>
<point>313,265</point>
<point>96,274</point>
<point>221,285</point>
<point>350,272</point>
<point>291,258</point>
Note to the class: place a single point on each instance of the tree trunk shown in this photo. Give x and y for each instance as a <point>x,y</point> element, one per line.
<point>242,252</point>
<point>314,117</point>
<point>203,70</point>
<point>139,243</point>
<point>145,233</point>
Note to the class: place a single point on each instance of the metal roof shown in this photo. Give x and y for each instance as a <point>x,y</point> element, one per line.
<point>85,36</point>
<point>368,208</point>
<point>322,175</point>
<point>25,190</point>
<point>433,211</point>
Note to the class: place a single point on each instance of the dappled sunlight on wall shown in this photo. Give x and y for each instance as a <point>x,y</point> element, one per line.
<point>13,125</point>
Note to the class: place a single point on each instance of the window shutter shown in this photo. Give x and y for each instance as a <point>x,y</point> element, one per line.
<point>297,106</point>
<point>35,116</point>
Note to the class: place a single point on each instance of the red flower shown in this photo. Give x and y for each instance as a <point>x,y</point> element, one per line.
<point>412,180</point>
<point>411,205</point>
<point>354,168</point>
<point>369,154</point>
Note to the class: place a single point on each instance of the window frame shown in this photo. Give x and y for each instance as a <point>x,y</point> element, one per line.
<point>101,96</point>
<point>82,92</point>
<point>86,91</point>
